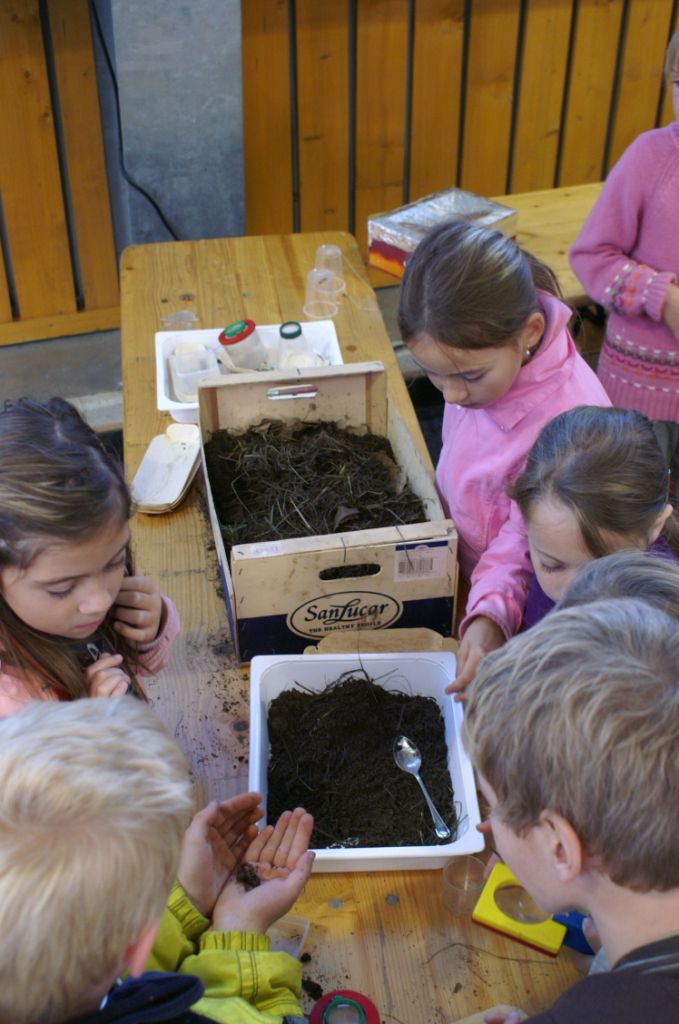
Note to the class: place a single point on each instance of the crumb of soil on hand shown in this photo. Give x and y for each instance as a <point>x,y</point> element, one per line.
<point>305,958</point>
<point>247,876</point>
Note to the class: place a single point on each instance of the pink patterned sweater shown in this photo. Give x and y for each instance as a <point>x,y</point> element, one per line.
<point>626,255</point>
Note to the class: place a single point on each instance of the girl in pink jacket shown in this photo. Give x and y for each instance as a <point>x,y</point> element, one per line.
<point>482,319</point>
<point>74,619</point>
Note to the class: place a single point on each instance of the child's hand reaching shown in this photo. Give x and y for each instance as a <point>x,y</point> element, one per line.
<point>105,678</point>
<point>670,311</point>
<point>213,846</point>
<point>138,610</point>
<point>482,635</point>
<point>282,861</point>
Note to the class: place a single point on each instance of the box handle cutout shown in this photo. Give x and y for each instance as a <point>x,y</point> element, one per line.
<point>343,572</point>
<point>293,391</point>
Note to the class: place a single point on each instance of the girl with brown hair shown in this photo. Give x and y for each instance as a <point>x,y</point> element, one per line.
<point>484,321</point>
<point>595,482</point>
<point>74,619</point>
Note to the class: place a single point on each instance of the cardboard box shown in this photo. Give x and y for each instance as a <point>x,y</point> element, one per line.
<point>394,236</point>
<point>278,594</point>
<point>413,673</point>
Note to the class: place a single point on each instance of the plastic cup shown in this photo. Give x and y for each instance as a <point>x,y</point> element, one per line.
<point>462,884</point>
<point>320,302</point>
<point>329,257</point>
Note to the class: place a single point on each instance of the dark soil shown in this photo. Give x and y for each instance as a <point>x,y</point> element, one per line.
<point>280,481</point>
<point>332,753</point>
<point>247,876</point>
<point>312,988</point>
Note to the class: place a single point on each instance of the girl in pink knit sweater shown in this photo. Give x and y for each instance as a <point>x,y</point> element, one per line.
<point>74,619</point>
<point>627,257</point>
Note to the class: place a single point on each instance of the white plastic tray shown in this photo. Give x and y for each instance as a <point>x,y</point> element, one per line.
<point>320,335</point>
<point>167,468</point>
<point>417,673</point>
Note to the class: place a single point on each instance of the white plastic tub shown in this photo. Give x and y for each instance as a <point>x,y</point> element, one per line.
<point>418,673</point>
<point>319,337</point>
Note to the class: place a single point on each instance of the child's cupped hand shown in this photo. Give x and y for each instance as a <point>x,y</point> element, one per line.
<point>281,858</point>
<point>481,636</point>
<point>213,846</point>
<point>138,610</point>
<point>105,678</point>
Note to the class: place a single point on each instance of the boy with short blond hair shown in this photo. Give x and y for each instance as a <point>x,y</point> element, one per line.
<point>573,728</point>
<point>94,801</point>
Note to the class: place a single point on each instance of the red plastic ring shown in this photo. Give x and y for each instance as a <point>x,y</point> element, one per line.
<point>319,1007</point>
<point>237,331</point>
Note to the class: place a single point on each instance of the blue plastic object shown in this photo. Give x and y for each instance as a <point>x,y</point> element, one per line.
<point>575,937</point>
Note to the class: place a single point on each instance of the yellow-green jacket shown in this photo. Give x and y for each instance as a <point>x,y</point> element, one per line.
<point>245,983</point>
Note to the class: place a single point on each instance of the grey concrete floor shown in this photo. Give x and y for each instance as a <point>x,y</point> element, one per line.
<point>86,368</point>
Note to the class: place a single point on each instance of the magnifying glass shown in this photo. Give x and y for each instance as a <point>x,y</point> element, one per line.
<point>341,1010</point>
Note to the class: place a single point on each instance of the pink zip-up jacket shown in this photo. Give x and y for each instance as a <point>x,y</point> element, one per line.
<point>484,450</point>
<point>154,656</point>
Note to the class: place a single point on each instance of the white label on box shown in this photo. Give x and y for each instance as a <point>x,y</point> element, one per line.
<point>270,547</point>
<point>421,562</point>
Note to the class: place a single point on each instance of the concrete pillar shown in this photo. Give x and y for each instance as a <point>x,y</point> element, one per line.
<point>178,69</point>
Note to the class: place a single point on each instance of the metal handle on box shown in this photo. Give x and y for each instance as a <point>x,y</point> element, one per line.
<point>293,391</point>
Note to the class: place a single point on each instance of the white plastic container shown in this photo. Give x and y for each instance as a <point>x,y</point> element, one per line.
<point>418,673</point>
<point>190,367</point>
<point>320,337</point>
<point>243,345</point>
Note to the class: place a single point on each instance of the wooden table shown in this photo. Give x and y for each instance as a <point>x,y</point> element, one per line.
<point>549,222</point>
<point>385,935</point>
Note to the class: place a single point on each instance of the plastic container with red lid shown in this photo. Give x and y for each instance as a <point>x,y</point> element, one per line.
<point>242,345</point>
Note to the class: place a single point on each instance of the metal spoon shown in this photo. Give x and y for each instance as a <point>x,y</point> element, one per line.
<point>409,759</point>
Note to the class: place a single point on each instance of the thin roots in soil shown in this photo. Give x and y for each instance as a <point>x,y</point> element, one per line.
<point>332,753</point>
<point>284,480</point>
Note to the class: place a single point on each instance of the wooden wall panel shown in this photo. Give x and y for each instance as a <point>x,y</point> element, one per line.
<point>35,217</point>
<point>590,91</point>
<point>489,89</point>
<point>76,80</point>
<point>586,84</point>
<point>648,27</point>
<point>436,95</point>
<point>323,113</point>
<point>266,126</point>
<point>541,92</point>
<point>381,57</point>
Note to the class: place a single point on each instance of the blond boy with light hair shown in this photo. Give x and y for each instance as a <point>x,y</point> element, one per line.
<point>94,801</point>
<point>573,728</point>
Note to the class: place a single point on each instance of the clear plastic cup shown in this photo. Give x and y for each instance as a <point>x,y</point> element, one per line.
<point>329,257</point>
<point>320,301</point>
<point>463,881</point>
